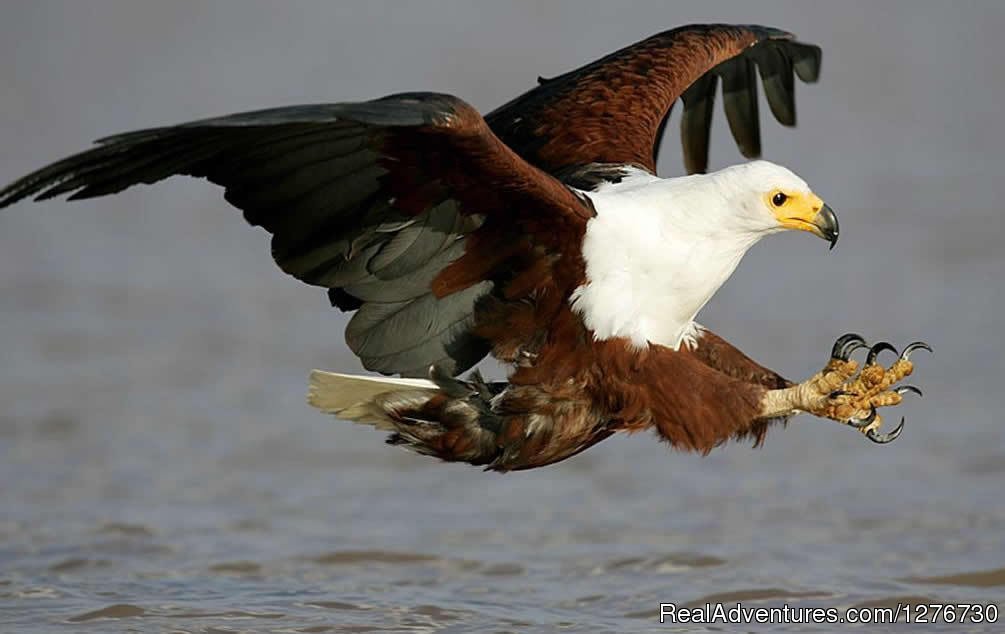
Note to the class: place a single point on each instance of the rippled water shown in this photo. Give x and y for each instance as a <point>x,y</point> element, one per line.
<point>161,471</point>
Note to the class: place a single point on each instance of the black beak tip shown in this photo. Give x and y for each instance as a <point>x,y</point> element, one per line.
<point>829,225</point>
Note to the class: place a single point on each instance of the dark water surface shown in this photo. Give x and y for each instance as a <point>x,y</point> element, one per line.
<point>161,471</point>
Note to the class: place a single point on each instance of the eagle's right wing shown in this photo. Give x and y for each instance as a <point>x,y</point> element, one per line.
<point>614,110</point>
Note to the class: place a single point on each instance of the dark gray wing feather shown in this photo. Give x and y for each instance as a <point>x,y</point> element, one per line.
<point>775,59</point>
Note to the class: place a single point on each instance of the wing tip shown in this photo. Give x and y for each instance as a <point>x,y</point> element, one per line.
<point>807,65</point>
<point>24,189</point>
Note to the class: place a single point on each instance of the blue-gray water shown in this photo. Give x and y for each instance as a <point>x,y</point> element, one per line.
<point>161,471</point>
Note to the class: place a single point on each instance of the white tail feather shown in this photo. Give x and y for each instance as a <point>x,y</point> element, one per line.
<point>353,397</point>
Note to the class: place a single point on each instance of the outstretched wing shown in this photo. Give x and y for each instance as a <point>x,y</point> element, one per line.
<point>614,110</point>
<point>403,207</point>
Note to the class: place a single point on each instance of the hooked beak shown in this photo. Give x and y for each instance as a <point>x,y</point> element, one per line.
<point>819,219</point>
<point>826,223</point>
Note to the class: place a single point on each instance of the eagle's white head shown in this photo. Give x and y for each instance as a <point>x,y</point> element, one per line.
<point>658,249</point>
<point>761,198</point>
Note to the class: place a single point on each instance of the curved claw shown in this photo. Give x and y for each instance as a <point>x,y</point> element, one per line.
<point>882,439</point>
<point>876,349</point>
<point>908,388</point>
<point>911,347</point>
<point>859,423</point>
<point>846,344</point>
<point>837,393</point>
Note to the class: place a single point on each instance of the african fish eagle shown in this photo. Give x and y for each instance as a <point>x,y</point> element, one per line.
<point>538,234</point>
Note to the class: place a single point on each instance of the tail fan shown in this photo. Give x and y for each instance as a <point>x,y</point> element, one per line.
<point>496,425</point>
<point>443,417</point>
<point>355,397</point>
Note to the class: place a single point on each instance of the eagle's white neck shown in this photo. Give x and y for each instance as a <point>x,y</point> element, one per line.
<point>656,252</point>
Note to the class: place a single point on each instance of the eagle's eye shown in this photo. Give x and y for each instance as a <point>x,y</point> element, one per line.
<point>779,199</point>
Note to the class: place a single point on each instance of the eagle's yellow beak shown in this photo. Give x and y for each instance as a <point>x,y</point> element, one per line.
<point>807,212</point>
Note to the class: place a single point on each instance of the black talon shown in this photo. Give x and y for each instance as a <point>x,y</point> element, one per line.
<point>911,347</point>
<point>908,388</point>
<point>882,439</point>
<point>859,423</point>
<point>846,344</point>
<point>837,393</point>
<point>876,349</point>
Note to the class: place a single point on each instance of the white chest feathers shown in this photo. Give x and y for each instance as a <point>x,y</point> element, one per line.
<point>655,253</point>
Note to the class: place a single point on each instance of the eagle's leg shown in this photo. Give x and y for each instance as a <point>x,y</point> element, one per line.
<point>843,393</point>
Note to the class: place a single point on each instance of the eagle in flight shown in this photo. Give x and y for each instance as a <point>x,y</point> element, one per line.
<point>539,234</point>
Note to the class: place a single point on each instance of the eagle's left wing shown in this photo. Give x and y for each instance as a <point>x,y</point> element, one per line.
<point>407,208</point>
